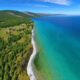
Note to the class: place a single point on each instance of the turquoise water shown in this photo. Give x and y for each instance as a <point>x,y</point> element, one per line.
<point>58,47</point>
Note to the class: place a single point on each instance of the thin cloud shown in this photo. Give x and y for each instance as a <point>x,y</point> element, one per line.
<point>61,2</point>
<point>40,5</point>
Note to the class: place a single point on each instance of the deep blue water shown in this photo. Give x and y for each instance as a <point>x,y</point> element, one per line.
<point>59,38</point>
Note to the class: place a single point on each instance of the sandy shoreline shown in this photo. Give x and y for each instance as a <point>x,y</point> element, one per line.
<point>30,70</point>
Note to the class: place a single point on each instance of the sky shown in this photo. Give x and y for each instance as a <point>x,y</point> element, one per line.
<point>43,6</point>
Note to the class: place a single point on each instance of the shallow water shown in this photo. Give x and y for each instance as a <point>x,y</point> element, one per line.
<point>58,48</point>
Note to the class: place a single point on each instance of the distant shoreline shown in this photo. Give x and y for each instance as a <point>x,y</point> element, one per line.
<point>30,70</point>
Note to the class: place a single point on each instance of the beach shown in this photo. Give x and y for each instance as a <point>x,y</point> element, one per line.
<point>30,70</point>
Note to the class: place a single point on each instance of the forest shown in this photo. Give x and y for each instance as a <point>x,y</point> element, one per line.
<point>15,46</point>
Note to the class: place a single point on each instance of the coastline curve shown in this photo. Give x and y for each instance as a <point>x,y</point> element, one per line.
<point>30,70</point>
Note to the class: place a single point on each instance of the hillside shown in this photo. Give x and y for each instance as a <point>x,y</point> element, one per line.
<point>15,45</point>
<point>31,14</point>
<point>18,13</point>
<point>11,18</point>
<point>37,14</point>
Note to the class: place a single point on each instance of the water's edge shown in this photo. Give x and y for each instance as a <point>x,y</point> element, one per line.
<point>30,70</point>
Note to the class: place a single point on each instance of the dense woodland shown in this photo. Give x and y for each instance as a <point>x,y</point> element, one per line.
<point>15,45</point>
